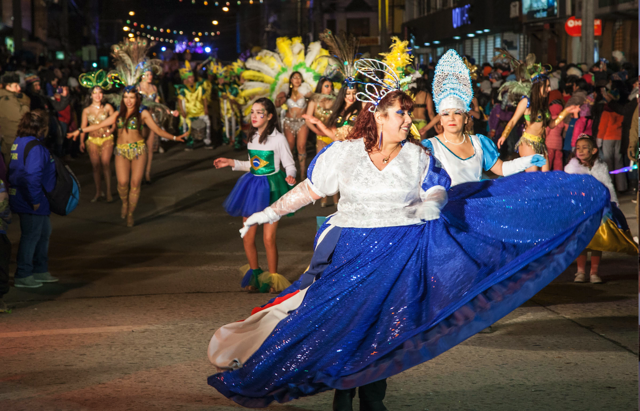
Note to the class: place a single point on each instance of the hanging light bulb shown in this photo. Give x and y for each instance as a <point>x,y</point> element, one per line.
<point>225,8</point>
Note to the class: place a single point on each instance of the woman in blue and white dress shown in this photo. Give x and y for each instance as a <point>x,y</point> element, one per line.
<point>465,157</point>
<point>399,274</point>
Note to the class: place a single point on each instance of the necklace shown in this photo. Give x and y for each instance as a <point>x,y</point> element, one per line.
<point>385,160</point>
<point>464,138</point>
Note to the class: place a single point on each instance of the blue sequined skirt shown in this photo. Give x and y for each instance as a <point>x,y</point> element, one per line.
<point>387,299</point>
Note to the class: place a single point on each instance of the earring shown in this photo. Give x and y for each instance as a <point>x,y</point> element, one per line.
<point>380,142</point>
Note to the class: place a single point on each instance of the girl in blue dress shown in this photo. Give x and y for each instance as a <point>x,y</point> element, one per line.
<point>264,183</point>
<point>407,267</point>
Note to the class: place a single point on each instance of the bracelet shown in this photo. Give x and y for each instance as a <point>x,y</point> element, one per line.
<point>174,138</point>
<point>506,132</point>
<point>80,130</point>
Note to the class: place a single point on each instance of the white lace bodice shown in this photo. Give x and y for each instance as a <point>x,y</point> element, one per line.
<point>370,197</point>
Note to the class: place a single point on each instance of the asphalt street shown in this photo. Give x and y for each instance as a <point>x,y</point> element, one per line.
<point>127,326</point>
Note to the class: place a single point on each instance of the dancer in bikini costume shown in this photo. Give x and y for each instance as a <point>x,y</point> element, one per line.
<point>533,85</point>
<point>100,142</point>
<point>131,150</point>
<point>406,269</point>
<point>149,93</point>
<point>288,76</point>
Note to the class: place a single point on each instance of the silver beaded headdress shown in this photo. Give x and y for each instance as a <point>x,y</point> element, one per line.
<point>452,83</point>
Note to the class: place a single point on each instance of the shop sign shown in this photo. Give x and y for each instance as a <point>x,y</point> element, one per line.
<point>461,16</point>
<point>539,9</point>
<point>573,27</point>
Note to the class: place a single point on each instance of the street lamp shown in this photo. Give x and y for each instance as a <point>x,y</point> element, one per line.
<point>215,22</point>
<point>132,13</point>
<point>125,28</point>
<point>225,8</point>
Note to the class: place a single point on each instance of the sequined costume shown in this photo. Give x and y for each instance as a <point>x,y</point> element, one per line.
<point>537,143</point>
<point>192,100</point>
<point>613,234</point>
<point>131,151</point>
<point>402,290</point>
<point>345,125</point>
<point>322,113</point>
<point>261,186</point>
<point>98,139</point>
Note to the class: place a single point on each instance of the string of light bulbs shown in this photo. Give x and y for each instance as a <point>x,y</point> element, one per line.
<point>162,32</point>
<point>225,4</point>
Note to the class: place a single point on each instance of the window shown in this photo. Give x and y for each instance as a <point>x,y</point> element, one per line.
<point>331,25</point>
<point>358,27</point>
<point>483,51</point>
<point>498,40</point>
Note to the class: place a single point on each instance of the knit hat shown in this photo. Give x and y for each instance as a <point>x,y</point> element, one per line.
<point>32,78</point>
<point>574,71</point>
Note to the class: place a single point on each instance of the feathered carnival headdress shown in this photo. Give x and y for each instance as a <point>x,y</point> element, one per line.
<point>473,69</point>
<point>387,75</point>
<point>452,83</point>
<point>215,67</point>
<point>527,74</point>
<point>130,59</point>
<point>185,72</point>
<point>95,79</point>
<point>268,73</point>
<point>343,49</point>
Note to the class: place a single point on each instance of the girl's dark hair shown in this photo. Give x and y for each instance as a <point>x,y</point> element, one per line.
<point>273,124</point>
<point>366,127</point>
<point>136,108</point>
<point>33,124</point>
<point>338,107</point>
<point>539,104</point>
<point>291,84</point>
<point>594,158</point>
<point>421,85</point>
<point>89,99</point>
<point>321,83</point>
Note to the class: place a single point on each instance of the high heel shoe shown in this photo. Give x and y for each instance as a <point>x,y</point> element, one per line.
<point>130,221</point>
<point>97,197</point>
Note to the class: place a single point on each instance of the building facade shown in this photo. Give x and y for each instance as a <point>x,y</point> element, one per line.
<point>476,27</point>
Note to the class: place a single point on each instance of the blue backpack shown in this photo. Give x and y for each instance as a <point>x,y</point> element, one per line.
<point>64,197</point>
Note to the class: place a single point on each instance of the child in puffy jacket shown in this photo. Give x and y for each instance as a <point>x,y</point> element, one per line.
<point>31,171</point>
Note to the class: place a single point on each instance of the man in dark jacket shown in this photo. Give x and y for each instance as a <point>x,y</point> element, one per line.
<point>13,105</point>
<point>31,171</point>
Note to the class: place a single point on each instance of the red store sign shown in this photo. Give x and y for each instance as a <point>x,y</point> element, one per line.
<point>573,27</point>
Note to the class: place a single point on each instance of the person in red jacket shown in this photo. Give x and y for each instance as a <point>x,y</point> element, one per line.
<point>609,141</point>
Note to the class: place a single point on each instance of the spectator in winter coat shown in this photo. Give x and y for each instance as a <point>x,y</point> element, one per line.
<point>609,142</point>
<point>13,105</point>
<point>31,171</point>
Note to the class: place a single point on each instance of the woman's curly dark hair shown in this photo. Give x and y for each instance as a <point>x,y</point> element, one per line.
<point>366,127</point>
<point>33,124</point>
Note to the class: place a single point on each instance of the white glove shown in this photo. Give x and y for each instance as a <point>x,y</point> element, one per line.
<point>520,164</point>
<point>433,200</point>
<point>261,217</point>
<point>425,211</point>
